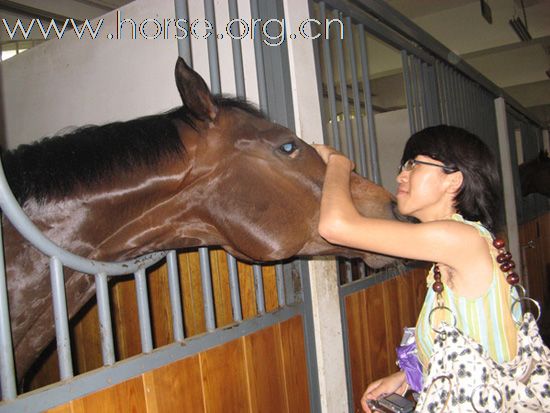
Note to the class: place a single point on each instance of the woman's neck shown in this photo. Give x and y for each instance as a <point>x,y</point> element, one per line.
<point>436,215</point>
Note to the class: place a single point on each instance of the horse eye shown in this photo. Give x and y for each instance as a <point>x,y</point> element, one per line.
<point>288,148</point>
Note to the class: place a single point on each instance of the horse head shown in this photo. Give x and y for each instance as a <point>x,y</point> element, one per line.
<point>259,184</point>
<point>535,175</point>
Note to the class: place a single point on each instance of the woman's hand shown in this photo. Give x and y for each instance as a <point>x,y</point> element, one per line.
<point>394,383</point>
<point>325,152</point>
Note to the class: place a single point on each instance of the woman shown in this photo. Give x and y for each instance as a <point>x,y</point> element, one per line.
<point>448,180</point>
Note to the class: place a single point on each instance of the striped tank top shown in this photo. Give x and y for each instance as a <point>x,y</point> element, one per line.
<point>486,319</point>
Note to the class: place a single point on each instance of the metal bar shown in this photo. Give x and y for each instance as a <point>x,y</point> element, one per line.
<point>208,298</point>
<point>175,296</point>
<point>367,96</point>
<point>467,112</point>
<point>330,86</point>
<point>259,288</point>
<point>348,275</point>
<point>143,312</point>
<point>454,96</point>
<point>428,111</point>
<point>62,335</point>
<point>213,62</point>
<point>362,269</point>
<point>234,288</point>
<point>260,69</point>
<point>478,108</point>
<point>279,274</point>
<point>467,103</point>
<point>356,100</point>
<point>104,313</point>
<point>420,91</point>
<point>458,102</point>
<point>464,97</point>
<point>471,98</point>
<point>415,92</point>
<point>348,149</point>
<point>237,51</point>
<point>408,90</point>
<point>441,91</point>
<point>184,43</point>
<point>301,269</point>
<point>7,368</point>
<point>347,350</point>
<point>434,93</point>
<point>447,92</point>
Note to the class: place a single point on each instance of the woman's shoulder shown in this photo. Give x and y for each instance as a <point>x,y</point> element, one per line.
<point>481,230</point>
<point>460,239</point>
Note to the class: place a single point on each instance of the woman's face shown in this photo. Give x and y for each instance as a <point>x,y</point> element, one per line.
<point>422,192</point>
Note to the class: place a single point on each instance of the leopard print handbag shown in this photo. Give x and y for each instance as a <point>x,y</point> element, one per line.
<point>461,377</point>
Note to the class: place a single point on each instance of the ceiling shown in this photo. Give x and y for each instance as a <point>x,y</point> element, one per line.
<point>522,69</point>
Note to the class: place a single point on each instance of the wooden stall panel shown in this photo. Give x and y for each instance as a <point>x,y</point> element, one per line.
<point>225,378</point>
<point>532,271</point>
<point>376,317</point>
<point>265,368</point>
<point>535,272</point>
<point>262,372</point>
<point>176,387</point>
<point>128,396</point>
<point>358,341</point>
<point>295,367</point>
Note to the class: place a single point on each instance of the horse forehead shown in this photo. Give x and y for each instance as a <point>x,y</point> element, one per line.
<point>241,122</point>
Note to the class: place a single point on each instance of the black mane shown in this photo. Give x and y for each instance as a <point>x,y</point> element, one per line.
<point>54,166</point>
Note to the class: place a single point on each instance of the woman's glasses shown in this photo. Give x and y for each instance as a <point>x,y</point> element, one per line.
<point>411,163</point>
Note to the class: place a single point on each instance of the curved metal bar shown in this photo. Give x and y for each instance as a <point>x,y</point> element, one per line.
<point>24,225</point>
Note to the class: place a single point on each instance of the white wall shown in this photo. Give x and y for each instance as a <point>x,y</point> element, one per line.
<point>73,82</point>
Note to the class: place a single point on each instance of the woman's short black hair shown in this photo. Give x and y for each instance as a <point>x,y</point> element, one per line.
<point>479,195</point>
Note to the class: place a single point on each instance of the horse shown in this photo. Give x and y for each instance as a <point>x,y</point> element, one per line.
<point>535,175</point>
<point>213,172</point>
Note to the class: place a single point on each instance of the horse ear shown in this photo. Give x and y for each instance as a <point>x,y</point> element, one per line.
<point>194,92</point>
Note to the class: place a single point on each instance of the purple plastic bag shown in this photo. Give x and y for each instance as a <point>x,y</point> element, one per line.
<point>408,362</point>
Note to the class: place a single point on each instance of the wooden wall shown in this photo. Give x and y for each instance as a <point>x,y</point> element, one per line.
<point>263,372</point>
<point>534,238</point>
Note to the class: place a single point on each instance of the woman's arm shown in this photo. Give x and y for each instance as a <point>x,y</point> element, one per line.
<point>394,383</point>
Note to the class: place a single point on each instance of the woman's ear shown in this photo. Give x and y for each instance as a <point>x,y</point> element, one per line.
<point>455,180</point>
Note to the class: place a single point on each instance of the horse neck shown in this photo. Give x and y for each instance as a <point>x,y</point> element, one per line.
<point>112,220</point>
